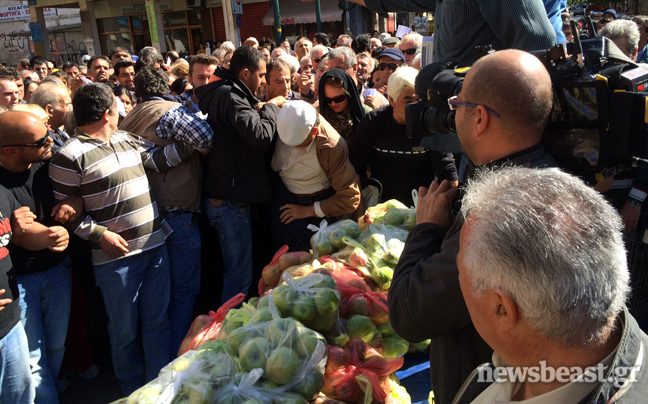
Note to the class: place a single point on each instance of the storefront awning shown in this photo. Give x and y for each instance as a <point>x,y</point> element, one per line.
<point>297,12</point>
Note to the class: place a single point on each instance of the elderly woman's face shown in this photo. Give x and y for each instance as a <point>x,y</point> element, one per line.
<point>335,98</point>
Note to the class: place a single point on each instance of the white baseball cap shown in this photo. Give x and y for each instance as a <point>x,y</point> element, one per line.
<point>295,122</point>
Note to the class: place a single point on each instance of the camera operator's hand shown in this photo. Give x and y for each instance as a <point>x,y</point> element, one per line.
<point>630,216</point>
<point>435,204</point>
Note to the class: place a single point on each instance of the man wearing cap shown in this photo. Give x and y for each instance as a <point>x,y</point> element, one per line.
<point>389,60</point>
<point>315,177</point>
<point>390,42</point>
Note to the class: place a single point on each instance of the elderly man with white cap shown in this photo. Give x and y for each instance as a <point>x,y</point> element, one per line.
<point>315,178</point>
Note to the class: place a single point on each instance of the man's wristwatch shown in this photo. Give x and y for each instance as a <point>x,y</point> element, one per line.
<point>633,202</point>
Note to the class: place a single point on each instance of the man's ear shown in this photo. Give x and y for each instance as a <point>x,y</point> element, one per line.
<point>506,311</point>
<point>244,74</point>
<point>49,109</point>
<point>106,116</point>
<point>482,118</point>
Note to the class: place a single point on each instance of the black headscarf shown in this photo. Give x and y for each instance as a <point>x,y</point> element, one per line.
<point>355,109</point>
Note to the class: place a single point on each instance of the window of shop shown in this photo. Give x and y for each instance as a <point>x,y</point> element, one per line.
<point>183,31</point>
<point>127,32</point>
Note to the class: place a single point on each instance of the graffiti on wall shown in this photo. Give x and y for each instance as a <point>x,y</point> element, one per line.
<point>13,44</point>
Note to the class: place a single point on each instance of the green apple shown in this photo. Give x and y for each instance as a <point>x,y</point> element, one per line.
<point>253,353</point>
<point>282,365</point>
<point>318,281</point>
<point>262,315</point>
<point>237,338</point>
<point>306,341</point>
<point>351,228</point>
<point>310,385</point>
<point>284,297</point>
<point>304,309</point>
<point>326,301</point>
<point>279,330</point>
<point>336,237</point>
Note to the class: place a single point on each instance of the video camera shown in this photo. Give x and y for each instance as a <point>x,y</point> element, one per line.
<point>599,122</point>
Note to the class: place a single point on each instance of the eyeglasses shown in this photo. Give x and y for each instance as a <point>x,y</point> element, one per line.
<point>453,103</point>
<point>603,21</point>
<point>410,51</point>
<point>337,100</point>
<point>392,66</point>
<point>39,143</point>
<point>317,60</point>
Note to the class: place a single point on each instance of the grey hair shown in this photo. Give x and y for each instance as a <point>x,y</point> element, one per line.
<point>229,46</point>
<point>372,62</point>
<point>551,243</point>
<point>291,61</point>
<point>47,94</point>
<point>318,47</point>
<point>401,79</point>
<point>346,54</point>
<point>622,29</point>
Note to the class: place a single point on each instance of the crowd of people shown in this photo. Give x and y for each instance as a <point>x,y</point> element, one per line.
<point>114,170</point>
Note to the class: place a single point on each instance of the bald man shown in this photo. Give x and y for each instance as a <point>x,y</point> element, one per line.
<point>43,277</point>
<point>502,111</point>
<point>55,100</point>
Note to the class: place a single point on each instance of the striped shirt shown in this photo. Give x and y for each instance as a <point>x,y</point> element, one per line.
<point>113,184</point>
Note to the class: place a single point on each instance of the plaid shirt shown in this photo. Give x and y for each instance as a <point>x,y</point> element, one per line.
<point>182,124</point>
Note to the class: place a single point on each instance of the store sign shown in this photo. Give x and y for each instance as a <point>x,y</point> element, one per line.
<point>140,9</point>
<point>21,13</point>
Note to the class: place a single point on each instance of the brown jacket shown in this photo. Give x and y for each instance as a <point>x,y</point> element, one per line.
<point>179,187</point>
<point>333,157</point>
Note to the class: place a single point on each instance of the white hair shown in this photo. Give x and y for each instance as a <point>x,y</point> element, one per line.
<point>291,61</point>
<point>553,244</point>
<point>228,46</point>
<point>416,62</point>
<point>415,38</point>
<point>278,51</point>
<point>622,29</point>
<point>318,48</point>
<point>404,77</point>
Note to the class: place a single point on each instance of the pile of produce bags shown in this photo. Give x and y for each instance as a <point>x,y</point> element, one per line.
<point>319,332</point>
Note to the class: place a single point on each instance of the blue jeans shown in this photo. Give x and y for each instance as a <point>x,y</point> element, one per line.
<point>184,262</point>
<point>232,221</point>
<point>136,292</point>
<point>16,386</point>
<point>45,310</point>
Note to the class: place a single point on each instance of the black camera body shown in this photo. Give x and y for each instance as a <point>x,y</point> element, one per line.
<point>599,122</point>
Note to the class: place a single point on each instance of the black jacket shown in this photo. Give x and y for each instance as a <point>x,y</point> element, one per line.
<point>631,353</point>
<point>234,170</point>
<point>425,299</point>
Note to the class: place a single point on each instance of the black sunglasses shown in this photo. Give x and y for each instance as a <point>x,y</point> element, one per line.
<point>410,51</point>
<point>391,66</point>
<point>603,21</point>
<point>317,60</point>
<point>337,100</point>
<point>39,143</point>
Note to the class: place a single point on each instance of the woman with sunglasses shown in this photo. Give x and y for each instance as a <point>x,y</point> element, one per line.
<point>340,103</point>
<point>381,143</point>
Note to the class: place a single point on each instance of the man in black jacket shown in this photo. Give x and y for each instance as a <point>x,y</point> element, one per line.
<point>502,111</point>
<point>235,174</point>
